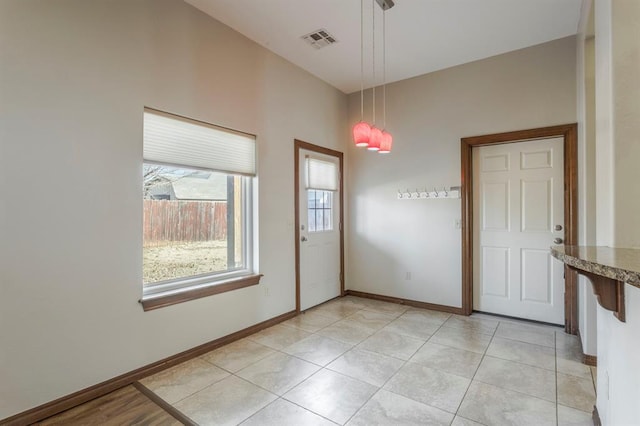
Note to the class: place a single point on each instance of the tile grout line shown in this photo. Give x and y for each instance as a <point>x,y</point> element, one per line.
<point>293,403</point>
<point>321,367</point>
<point>379,387</point>
<point>276,350</point>
<point>384,384</point>
<point>252,415</point>
<point>308,409</point>
<point>371,333</point>
<point>327,369</point>
<point>405,362</point>
<point>195,392</point>
<point>279,396</point>
<point>164,405</point>
<point>515,362</point>
<point>231,373</point>
<point>443,324</point>
<point>525,364</point>
<point>281,350</point>
<point>477,368</point>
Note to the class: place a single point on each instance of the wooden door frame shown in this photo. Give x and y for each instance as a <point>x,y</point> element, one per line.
<point>297,146</point>
<point>569,132</point>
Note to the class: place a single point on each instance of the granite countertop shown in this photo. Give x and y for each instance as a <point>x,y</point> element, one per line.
<point>617,263</point>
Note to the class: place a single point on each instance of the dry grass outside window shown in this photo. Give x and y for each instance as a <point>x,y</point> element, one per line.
<point>177,259</point>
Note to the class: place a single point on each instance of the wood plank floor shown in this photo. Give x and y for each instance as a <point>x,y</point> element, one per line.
<point>126,406</point>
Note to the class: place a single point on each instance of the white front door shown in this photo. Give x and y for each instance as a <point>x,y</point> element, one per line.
<point>518,210</point>
<point>319,237</point>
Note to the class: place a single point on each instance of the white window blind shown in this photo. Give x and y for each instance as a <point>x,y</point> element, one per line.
<point>170,139</point>
<point>322,175</point>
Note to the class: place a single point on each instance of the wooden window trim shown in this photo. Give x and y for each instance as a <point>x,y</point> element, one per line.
<point>187,294</point>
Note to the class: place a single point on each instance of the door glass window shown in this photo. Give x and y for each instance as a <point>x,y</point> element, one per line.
<point>320,210</point>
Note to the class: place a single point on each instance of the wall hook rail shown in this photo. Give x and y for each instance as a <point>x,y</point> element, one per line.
<point>417,194</point>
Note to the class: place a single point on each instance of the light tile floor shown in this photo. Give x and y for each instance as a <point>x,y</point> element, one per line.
<point>363,362</point>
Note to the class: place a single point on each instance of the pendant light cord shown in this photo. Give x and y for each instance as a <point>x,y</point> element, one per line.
<point>384,70</point>
<point>361,60</point>
<point>373,48</point>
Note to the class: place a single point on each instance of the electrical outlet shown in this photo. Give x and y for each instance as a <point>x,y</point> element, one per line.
<point>407,276</point>
<point>267,292</point>
<point>457,223</point>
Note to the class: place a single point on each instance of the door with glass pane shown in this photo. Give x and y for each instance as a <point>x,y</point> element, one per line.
<point>319,228</point>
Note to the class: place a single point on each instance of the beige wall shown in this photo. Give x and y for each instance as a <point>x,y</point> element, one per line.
<point>626,121</point>
<point>617,56</point>
<point>428,115</point>
<point>74,80</point>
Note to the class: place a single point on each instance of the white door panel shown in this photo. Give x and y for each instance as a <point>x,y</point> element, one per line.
<point>536,159</point>
<point>320,244</point>
<point>535,267</point>
<point>495,205</point>
<point>495,163</point>
<point>537,205</point>
<point>518,194</point>
<point>495,271</point>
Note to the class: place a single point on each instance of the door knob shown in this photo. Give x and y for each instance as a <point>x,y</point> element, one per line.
<point>555,240</point>
<point>303,239</point>
<point>558,228</point>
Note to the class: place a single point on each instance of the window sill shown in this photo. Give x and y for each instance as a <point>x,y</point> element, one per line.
<point>161,300</point>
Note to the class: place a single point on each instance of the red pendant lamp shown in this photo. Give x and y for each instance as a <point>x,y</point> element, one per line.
<point>361,133</point>
<point>387,142</point>
<point>376,139</point>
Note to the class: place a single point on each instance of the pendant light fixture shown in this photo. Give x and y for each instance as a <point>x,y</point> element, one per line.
<point>364,134</point>
<point>386,144</point>
<point>362,130</point>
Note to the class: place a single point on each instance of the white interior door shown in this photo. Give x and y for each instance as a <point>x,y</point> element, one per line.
<point>518,209</point>
<point>319,235</point>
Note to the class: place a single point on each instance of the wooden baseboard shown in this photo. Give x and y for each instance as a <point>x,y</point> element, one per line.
<point>408,302</point>
<point>591,360</point>
<point>66,402</point>
<point>595,416</point>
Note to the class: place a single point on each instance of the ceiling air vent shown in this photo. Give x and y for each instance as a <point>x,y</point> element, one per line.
<point>319,39</point>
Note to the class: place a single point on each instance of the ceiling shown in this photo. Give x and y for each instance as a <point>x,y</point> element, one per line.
<point>421,35</point>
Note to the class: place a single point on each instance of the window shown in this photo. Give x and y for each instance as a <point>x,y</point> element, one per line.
<point>322,182</point>
<point>320,210</point>
<point>197,212</point>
